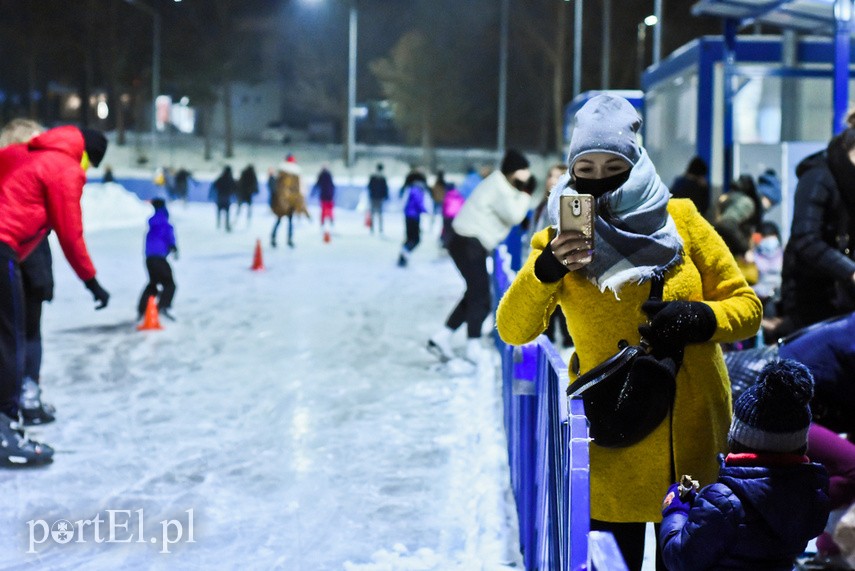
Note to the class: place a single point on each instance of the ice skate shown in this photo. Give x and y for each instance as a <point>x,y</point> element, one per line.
<point>475,351</point>
<point>165,312</point>
<point>33,411</point>
<point>439,345</point>
<point>17,449</point>
<point>403,259</point>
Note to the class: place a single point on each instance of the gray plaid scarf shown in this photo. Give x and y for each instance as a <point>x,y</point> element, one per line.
<point>634,236</point>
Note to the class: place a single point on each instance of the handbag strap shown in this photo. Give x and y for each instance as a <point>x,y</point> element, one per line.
<point>657,285</point>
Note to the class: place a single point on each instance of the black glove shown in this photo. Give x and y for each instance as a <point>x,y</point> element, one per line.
<point>174,251</point>
<point>530,185</point>
<point>547,268</point>
<point>99,293</point>
<point>674,324</point>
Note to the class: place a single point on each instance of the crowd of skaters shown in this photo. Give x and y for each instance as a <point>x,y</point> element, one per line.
<point>802,291</point>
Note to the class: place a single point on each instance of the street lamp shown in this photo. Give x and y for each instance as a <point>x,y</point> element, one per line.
<point>504,17</point>
<point>657,31</point>
<point>577,48</point>
<point>641,37</point>
<point>351,87</point>
<point>155,70</point>
<point>350,127</point>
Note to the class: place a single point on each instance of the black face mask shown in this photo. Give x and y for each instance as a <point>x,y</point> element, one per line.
<point>599,186</point>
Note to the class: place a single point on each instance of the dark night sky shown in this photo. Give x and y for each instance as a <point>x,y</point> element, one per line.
<point>314,33</point>
<point>469,29</point>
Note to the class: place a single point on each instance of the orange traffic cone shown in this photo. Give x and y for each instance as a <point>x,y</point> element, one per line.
<point>257,263</point>
<point>151,319</point>
<point>326,236</point>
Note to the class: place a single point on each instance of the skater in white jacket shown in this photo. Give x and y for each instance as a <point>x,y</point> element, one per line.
<point>497,204</point>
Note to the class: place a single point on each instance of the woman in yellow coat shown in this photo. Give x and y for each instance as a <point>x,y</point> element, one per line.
<point>601,288</point>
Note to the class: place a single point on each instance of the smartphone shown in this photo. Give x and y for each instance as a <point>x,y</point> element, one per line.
<point>576,212</point>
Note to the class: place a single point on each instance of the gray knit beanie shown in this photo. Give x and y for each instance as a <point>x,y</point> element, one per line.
<point>605,124</point>
<point>774,414</point>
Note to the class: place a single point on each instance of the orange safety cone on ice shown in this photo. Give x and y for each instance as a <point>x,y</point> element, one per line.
<point>151,320</point>
<point>326,236</point>
<point>257,262</point>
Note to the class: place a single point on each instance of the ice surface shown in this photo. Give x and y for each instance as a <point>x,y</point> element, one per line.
<point>293,410</point>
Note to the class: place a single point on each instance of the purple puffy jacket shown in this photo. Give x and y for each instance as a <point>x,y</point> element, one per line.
<point>160,239</point>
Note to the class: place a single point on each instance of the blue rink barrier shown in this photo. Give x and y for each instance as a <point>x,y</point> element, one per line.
<point>547,437</point>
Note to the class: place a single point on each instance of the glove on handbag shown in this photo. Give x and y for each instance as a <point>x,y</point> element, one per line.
<point>629,394</point>
<point>673,324</point>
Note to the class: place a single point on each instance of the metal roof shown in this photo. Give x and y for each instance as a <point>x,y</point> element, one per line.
<point>812,16</point>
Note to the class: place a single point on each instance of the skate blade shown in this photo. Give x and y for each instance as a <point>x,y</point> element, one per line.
<point>435,350</point>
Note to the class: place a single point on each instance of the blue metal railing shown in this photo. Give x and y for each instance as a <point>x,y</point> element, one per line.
<point>547,450</point>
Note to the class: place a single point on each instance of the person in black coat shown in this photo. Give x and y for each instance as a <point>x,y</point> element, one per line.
<point>181,183</point>
<point>818,278</point>
<point>222,191</point>
<point>378,193</point>
<point>693,185</point>
<point>247,187</point>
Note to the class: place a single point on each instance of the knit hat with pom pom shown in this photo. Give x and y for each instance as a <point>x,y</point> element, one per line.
<point>774,414</point>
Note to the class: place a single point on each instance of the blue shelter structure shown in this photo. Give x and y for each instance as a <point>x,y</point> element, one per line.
<point>776,112</point>
<point>822,17</point>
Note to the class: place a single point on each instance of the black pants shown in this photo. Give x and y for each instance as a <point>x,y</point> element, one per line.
<point>33,334</point>
<point>630,540</point>
<point>470,257</point>
<point>377,214</point>
<point>159,274</point>
<point>248,210</point>
<point>290,230</point>
<point>224,209</point>
<point>414,233</point>
<point>12,342</point>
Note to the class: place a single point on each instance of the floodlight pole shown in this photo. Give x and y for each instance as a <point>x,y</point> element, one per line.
<point>605,70</point>
<point>577,48</point>
<point>350,143</point>
<point>504,17</point>
<point>657,32</point>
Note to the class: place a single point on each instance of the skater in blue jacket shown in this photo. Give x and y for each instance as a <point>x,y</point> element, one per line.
<point>769,499</point>
<point>159,243</point>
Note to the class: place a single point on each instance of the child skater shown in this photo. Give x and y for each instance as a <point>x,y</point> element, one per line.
<point>159,243</point>
<point>769,499</point>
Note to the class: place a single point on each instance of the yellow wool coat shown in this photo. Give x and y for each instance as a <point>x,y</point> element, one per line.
<point>627,484</point>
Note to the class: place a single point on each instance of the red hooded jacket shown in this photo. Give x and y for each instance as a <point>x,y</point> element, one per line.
<point>41,183</point>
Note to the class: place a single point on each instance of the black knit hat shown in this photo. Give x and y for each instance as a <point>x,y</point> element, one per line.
<point>95,144</point>
<point>697,167</point>
<point>774,414</point>
<point>513,161</point>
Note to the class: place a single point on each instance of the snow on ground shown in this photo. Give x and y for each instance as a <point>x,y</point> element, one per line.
<point>292,414</point>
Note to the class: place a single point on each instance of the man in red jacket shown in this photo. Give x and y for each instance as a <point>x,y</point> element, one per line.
<point>41,183</point>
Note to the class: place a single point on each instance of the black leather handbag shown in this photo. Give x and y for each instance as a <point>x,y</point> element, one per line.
<point>629,394</point>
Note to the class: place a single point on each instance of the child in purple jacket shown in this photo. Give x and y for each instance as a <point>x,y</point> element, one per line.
<point>159,243</point>
<point>769,499</point>
<point>414,189</point>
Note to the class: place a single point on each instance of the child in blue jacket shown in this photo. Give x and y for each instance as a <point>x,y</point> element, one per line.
<point>769,500</point>
<point>159,243</point>
<point>415,188</point>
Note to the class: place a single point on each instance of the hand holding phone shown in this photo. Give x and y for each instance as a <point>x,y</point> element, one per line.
<point>576,220</point>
